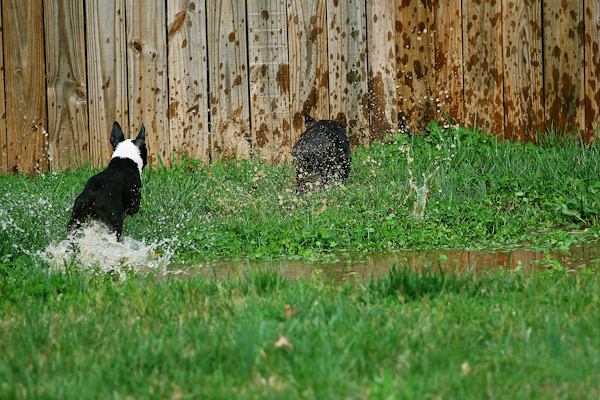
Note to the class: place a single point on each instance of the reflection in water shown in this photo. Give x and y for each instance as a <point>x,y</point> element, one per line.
<point>358,267</point>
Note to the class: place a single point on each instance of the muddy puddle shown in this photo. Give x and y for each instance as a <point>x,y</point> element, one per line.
<point>357,267</point>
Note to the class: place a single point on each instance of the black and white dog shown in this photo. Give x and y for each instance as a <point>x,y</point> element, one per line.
<point>117,191</point>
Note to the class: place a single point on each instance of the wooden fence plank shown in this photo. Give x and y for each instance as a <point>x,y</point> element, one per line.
<point>188,78</point>
<point>592,68</point>
<point>3,138</point>
<point>483,68</point>
<point>69,140</point>
<point>309,75</point>
<point>228,77</point>
<point>564,64</point>
<point>382,74</point>
<point>375,65</point>
<point>25,81</point>
<point>429,57</point>
<point>269,79</point>
<point>417,103</point>
<point>523,70</point>
<point>448,58</point>
<point>348,83</point>
<point>107,75</point>
<point>147,76</point>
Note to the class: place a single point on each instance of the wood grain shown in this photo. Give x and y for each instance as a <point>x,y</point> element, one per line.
<point>107,75</point>
<point>448,67</point>
<point>348,83</point>
<point>376,65</point>
<point>523,69</point>
<point>69,140</point>
<point>592,69</point>
<point>382,75</point>
<point>3,139</point>
<point>418,105</point>
<point>188,79</point>
<point>147,76</point>
<point>309,74</point>
<point>228,77</point>
<point>269,79</point>
<point>483,67</point>
<point>25,85</point>
<point>564,77</point>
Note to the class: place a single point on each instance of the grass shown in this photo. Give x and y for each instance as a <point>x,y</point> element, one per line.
<point>407,335</point>
<point>482,194</point>
<point>418,332</point>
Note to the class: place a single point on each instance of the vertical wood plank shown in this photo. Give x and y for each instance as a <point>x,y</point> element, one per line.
<point>429,57</point>
<point>381,19</point>
<point>68,132</point>
<point>269,79</point>
<point>348,83</point>
<point>147,76</point>
<point>25,81</point>
<point>107,75</point>
<point>564,64</point>
<point>228,77</point>
<point>417,103</point>
<point>3,139</point>
<point>309,75</point>
<point>592,68</point>
<point>448,58</point>
<point>483,67</point>
<point>188,78</point>
<point>523,69</point>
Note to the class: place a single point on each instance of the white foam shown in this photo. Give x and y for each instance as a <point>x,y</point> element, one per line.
<point>127,149</point>
<point>94,249</point>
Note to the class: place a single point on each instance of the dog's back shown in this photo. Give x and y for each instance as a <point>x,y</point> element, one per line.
<point>322,150</point>
<point>115,192</point>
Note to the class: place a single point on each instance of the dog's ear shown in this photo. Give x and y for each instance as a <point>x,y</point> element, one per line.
<point>309,121</point>
<point>141,137</point>
<point>116,136</point>
<point>140,142</point>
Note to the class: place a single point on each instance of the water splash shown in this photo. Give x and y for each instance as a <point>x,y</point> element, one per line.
<point>8,222</point>
<point>93,249</point>
<point>422,192</point>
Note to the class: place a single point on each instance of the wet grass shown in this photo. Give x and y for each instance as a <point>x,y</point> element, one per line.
<point>419,332</point>
<point>412,334</point>
<point>482,194</point>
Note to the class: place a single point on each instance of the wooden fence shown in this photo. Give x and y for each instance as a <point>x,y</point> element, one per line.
<point>232,78</point>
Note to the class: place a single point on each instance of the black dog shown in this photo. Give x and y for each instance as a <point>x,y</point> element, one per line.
<point>115,192</point>
<point>322,150</point>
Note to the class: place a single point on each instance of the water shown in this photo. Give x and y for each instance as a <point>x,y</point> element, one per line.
<point>95,249</point>
<point>359,267</point>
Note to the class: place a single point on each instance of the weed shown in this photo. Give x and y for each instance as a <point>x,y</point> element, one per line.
<point>453,187</point>
<point>425,333</point>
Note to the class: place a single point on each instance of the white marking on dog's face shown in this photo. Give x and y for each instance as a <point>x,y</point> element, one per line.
<point>127,149</point>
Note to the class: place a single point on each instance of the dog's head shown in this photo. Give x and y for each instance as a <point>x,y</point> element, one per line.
<point>133,149</point>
